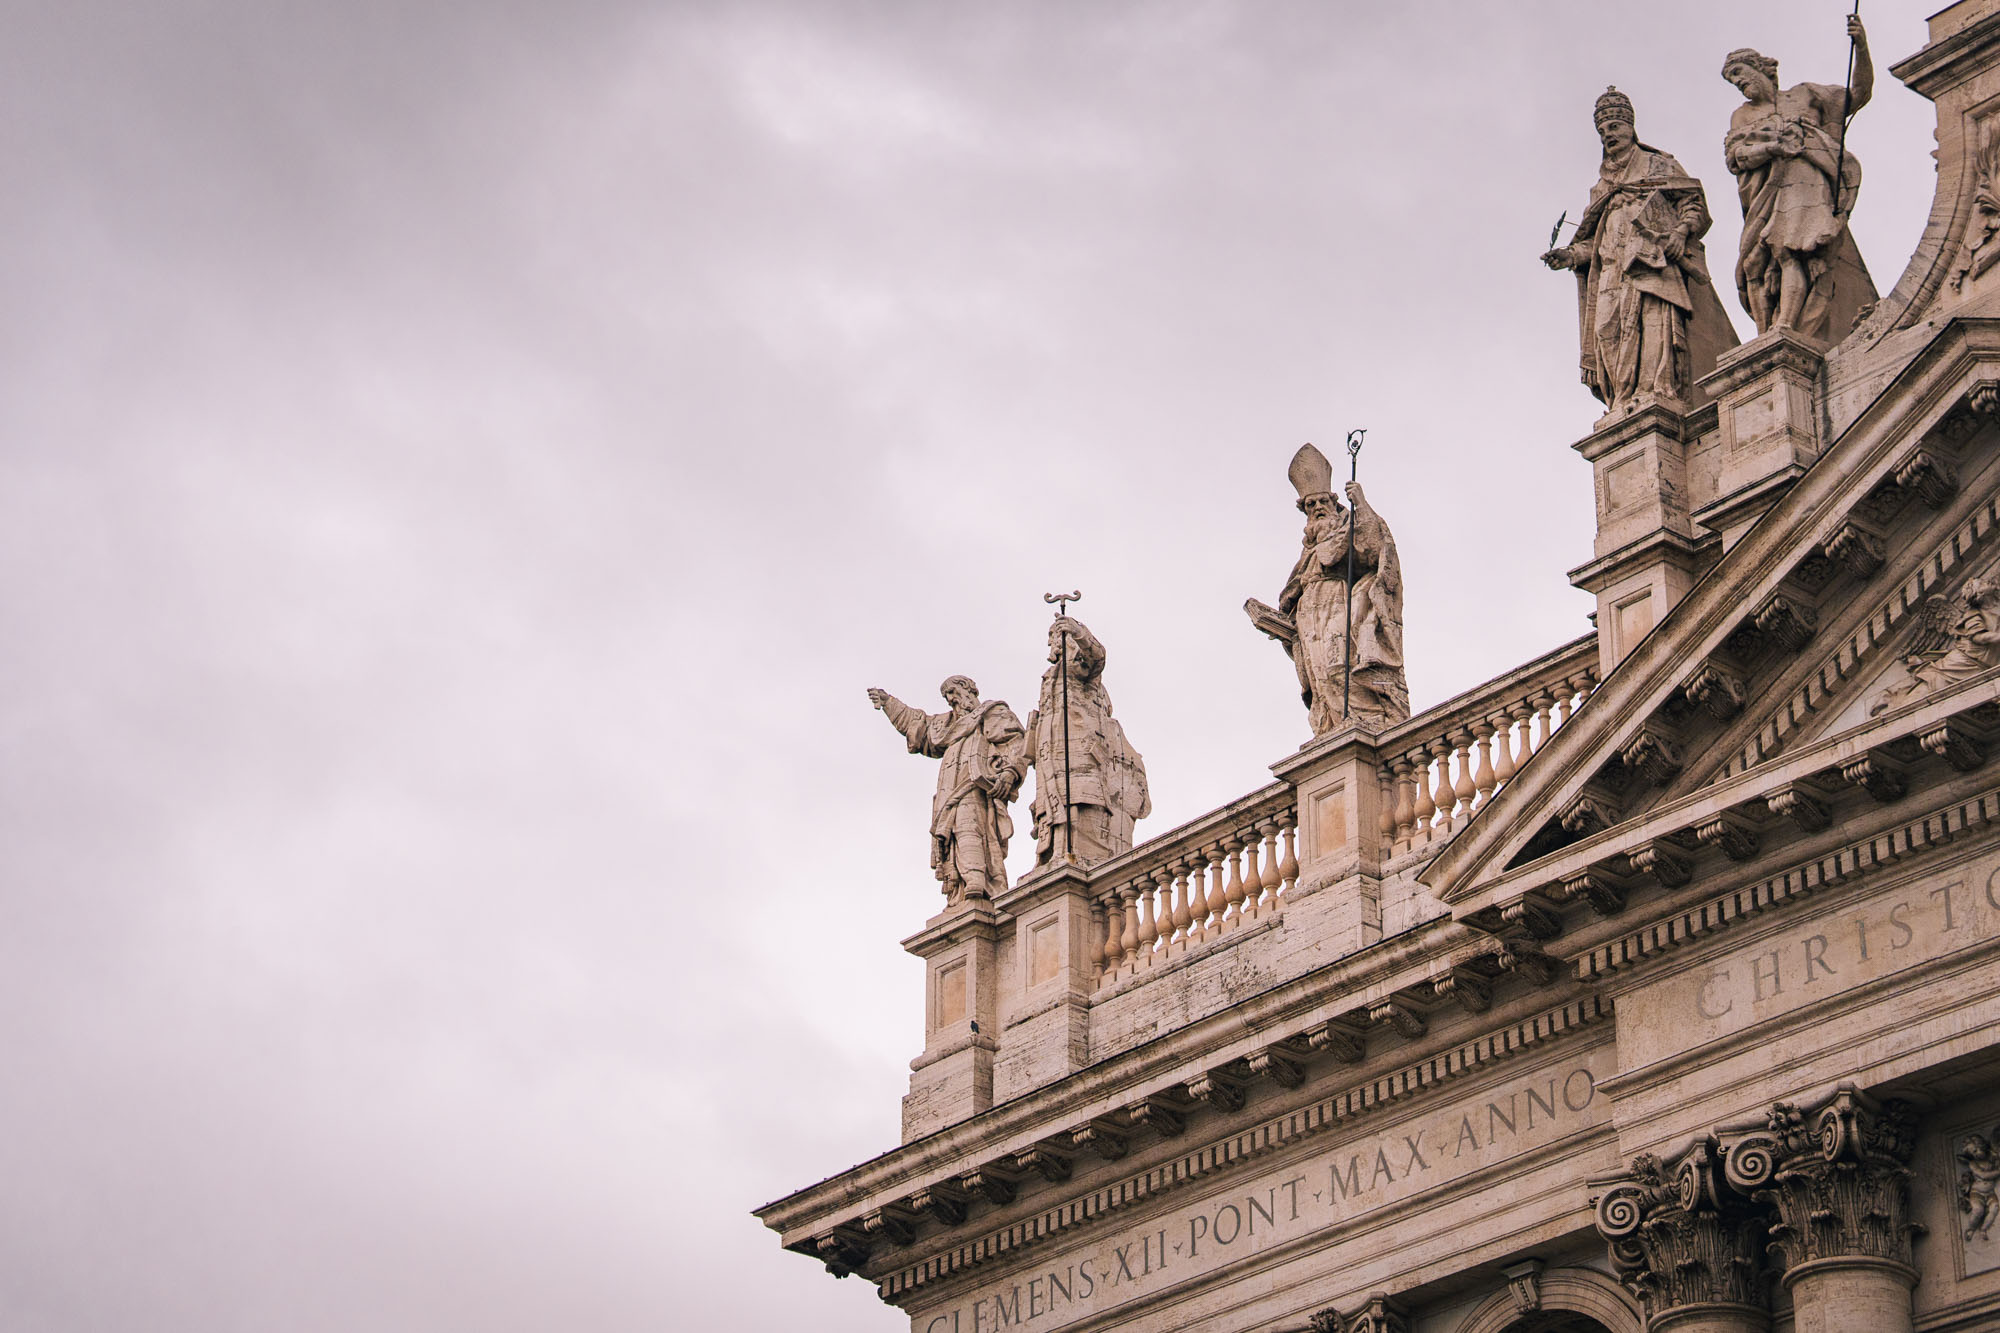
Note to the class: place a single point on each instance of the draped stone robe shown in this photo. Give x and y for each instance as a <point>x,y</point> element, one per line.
<point>1316,597</point>
<point>1648,325</point>
<point>1105,788</point>
<point>984,759</point>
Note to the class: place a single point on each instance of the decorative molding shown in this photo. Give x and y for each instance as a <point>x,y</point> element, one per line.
<point>1718,687</point>
<point>1678,1237</point>
<point>1664,861</point>
<point>1835,867</point>
<point>1838,1177</point>
<point>1341,1109</point>
<point>1598,886</point>
<point>1805,807</point>
<point>1810,698</point>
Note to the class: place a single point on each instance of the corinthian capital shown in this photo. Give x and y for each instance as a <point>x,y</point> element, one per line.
<point>1837,1175</point>
<point>1679,1237</point>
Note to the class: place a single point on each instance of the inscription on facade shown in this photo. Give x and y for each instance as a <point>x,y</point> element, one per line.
<point>1822,957</point>
<point>1313,1194</point>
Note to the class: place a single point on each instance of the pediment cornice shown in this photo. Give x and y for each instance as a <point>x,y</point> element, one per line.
<point>1759,593</point>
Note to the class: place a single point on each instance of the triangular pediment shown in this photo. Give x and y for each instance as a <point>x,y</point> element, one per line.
<point>1798,633</point>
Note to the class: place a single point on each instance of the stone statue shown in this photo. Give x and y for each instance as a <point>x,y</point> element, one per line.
<point>985,758</point>
<point>1648,317</point>
<point>1798,267</point>
<point>1312,617</point>
<point>1978,1183</point>
<point>1957,638</point>
<point>1090,813</point>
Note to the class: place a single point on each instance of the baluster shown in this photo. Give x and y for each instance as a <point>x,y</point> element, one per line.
<point>1424,810</point>
<point>1442,798</point>
<point>1544,719</point>
<point>1462,788</point>
<point>1482,770</point>
<point>1149,915</point>
<point>1217,900</point>
<point>1274,876</point>
<point>1253,878</point>
<point>1288,869</point>
<point>1113,935</point>
<point>1560,713</point>
<point>1184,899</point>
<point>1523,714</point>
<point>1233,896</point>
<point>1503,749</point>
<point>1129,937</point>
<point>1385,804</point>
<point>1585,683</point>
<point>1406,810</point>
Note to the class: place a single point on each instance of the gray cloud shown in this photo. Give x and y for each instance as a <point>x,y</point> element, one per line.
<point>460,465</point>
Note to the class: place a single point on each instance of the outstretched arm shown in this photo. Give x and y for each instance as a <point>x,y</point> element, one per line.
<point>911,722</point>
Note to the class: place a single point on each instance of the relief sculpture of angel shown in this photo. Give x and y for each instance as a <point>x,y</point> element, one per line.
<point>1978,1181</point>
<point>1957,638</point>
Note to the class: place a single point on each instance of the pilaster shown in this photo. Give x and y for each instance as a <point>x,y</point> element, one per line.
<point>1647,553</point>
<point>1341,799</point>
<point>953,1079</point>
<point>1767,396</point>
<point>1045,997</point>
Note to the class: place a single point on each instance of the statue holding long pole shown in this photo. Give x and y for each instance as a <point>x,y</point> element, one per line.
<point>1090,784</point>
<point>1340,616</point>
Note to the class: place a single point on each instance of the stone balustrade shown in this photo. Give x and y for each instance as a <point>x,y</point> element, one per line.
<point>1448,761</point>
<point>1196,883</point>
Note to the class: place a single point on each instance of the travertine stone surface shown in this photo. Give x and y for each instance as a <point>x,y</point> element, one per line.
<point>1318,615</point>
<point>1090,784</point>
<point>1797,266</point>
<point>1648,318</point>
<point>982,746</point>
<point>1703,930</point>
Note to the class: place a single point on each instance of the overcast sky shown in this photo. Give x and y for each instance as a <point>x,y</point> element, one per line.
<point>461,465</point>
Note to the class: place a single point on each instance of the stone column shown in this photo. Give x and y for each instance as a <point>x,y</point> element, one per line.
<point>1686,1245</point>
<point>1838,1179</point>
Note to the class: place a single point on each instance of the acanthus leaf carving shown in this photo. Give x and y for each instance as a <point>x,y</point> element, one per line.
<point>1838,1178</point>
<point>1855,547</point>
<point>1929,476</point>
<point>1664,861</point>
<point>1952,742</point>
<point>1653,753</point>
<point>1876,774</point>
<point>1400,1015</point>
<point>1216,1089</point>
<point>1474,993</point>
<point>1717,687</point>
<point>1278,1065</point>
<point>1729,831</point>
<point>1600,886</point>
<point>1785,621</point>
<point>1534,916</point>
<point>1677,1237</point>
<point>1804,806</point>
<point>1344,1041</point>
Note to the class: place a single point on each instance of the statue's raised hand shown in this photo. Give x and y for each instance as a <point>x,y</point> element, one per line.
<point>1559,258</point>
<point>1354,495</point>
<point>878,697</point>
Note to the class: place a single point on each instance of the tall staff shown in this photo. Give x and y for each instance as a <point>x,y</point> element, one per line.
<point>1069,807</point>
<point>1354,438</point>
<point>1846,103</point>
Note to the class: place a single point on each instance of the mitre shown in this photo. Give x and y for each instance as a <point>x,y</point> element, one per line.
<point>1311,474</point>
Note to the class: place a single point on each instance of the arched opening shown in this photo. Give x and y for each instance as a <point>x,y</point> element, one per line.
<point>1557,1321</point>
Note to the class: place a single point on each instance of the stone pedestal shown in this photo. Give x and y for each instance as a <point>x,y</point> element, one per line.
<point>1045,996</point>
<point>953,1079</point>
<point>1767,395</point>
<point>1339,782</point>
<point>1647,546</point>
